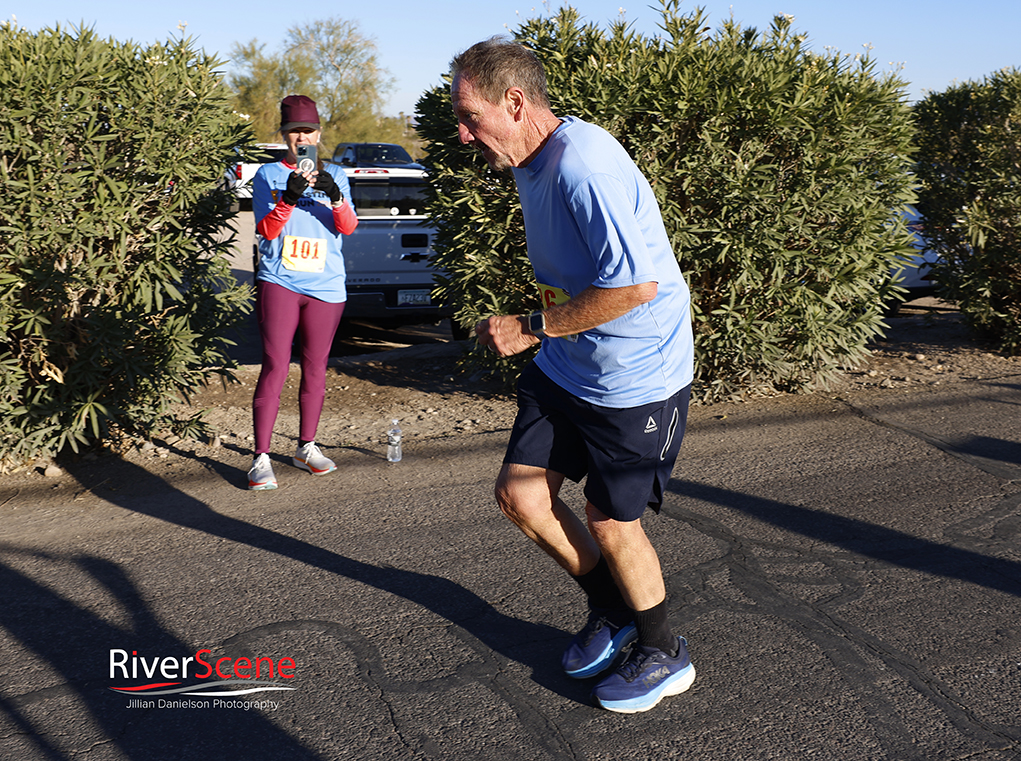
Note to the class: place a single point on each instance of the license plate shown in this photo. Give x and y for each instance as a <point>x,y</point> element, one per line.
<point>416,298</point>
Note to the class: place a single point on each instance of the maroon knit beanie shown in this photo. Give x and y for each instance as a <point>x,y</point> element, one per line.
<point>298,111</point>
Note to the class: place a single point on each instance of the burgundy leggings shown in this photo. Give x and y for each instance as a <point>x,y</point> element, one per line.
<point>281,313</point>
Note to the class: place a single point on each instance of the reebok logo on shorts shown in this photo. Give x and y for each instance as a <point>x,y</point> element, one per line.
<point>651,426</point>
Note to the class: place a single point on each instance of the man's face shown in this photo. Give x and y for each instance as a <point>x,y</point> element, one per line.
<point>490,127</point>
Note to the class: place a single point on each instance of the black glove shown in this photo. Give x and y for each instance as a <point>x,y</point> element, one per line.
<point>296,185</point>
<point>326,183</point>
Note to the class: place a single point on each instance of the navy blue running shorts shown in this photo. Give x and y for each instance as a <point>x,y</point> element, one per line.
<point>627,454</point>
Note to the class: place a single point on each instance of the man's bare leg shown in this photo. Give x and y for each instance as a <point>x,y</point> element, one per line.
<point>632,559</point>
<point>529,497</point>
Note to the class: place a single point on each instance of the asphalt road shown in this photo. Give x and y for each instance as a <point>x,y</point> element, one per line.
<point>847,572</point>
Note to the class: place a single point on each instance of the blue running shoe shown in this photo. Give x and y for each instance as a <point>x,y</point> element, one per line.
<point>596,647</point>
<point>645,678</point>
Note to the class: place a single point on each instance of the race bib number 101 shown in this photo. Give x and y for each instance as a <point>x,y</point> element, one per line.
<point>304,254</point>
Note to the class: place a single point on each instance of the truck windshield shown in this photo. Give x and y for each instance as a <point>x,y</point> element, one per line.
<point>392,197</point>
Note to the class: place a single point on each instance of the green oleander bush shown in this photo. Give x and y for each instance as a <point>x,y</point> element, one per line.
<point>781,175</point>
<point>969,169</point>
<point>114,294</point>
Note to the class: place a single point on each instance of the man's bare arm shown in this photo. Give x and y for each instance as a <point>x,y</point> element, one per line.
<point>508,334</point>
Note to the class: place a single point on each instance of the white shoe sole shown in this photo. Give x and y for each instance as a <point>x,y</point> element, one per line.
<point>681,684</point>
<point>305,466</point>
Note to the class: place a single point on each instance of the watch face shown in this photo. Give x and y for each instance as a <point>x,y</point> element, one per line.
<point>536,322</point>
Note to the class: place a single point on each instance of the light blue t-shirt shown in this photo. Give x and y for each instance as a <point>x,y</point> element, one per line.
<point>306,257</point>
<point>591,218</point>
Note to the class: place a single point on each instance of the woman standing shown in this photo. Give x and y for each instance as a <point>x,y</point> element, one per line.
<point>300,215</point>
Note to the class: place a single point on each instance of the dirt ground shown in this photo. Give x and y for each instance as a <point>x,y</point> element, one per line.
<point>928,344</point>
<point>419,384</point>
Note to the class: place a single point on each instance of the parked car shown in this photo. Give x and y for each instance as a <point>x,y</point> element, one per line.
<point>239,176</point>
<point>388,257</point>
<point>379,155</point>
<point>916,274</point>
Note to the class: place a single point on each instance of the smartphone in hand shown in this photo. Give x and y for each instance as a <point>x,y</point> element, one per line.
<point>307,158</point>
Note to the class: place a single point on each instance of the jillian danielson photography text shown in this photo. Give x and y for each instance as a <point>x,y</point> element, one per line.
<point>245,705</point>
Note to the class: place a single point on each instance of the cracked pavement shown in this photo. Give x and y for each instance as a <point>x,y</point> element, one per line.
<point>845,566</point>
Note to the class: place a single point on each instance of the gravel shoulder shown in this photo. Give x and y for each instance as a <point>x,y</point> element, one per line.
<point>926,345</point>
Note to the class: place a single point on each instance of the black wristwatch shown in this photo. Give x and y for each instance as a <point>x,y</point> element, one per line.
<point>537,324</point>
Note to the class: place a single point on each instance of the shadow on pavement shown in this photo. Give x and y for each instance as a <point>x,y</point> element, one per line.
<point>75,644</point>
<point>481,626</point>
<point>999,450</point>
<point>866,539</point>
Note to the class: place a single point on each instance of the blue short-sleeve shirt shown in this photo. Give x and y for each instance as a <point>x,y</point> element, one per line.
<point>591,218</point>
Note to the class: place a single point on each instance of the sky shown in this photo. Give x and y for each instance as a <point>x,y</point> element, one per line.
<point>931,44</point>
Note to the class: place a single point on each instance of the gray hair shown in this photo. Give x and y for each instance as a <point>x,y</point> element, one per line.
<point>496,64</point>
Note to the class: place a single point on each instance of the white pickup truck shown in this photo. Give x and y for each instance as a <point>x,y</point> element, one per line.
<point>916,275</point>
<point>239,176</point>
<point>389,256</point>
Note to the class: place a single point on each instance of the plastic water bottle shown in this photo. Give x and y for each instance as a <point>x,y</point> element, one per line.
<point>393,442</point>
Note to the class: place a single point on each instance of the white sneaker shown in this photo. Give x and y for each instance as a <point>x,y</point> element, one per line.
<point>311,459</point>
<point>260,475</point>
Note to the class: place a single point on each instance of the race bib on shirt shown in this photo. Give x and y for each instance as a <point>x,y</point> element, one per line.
<point>304,254</point>
<point>552,296</point>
